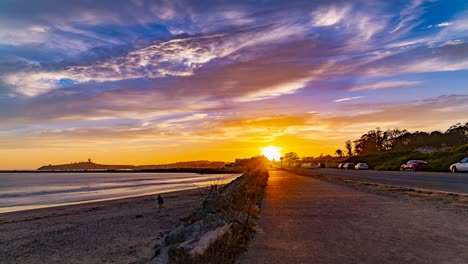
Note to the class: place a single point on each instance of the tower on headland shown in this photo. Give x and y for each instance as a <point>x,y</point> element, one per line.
<point>89,160</point>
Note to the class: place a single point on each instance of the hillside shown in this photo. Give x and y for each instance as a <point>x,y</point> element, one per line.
<point>391,160</point>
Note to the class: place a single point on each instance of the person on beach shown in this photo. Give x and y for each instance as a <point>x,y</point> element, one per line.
<point>160,201</point>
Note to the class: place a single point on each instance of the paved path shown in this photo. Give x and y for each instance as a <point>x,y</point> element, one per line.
<point>305,220</point>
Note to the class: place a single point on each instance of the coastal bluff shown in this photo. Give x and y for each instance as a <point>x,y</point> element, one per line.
<point>85,166</point>
<point>89,165</point>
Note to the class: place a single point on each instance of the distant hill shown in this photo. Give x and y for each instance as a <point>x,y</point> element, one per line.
<point>86,166</point>
<point>94,166</point>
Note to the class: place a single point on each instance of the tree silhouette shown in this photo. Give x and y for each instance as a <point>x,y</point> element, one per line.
<point>371,142</point>
<point>349,147</point>
<point>291,157</point>
<point>457,134</point>
<point>394,139</point>
<point>339,152</point>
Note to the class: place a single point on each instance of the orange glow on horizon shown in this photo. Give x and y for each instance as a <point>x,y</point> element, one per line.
<point>34,157</point>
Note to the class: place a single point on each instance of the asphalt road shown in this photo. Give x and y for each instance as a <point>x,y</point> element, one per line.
<point>306,220</point>
<point>442,181</point>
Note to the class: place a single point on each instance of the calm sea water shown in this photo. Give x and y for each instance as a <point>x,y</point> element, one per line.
<point>22,191</point>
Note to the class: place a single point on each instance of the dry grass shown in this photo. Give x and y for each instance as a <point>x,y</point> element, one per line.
<point>226,249</point>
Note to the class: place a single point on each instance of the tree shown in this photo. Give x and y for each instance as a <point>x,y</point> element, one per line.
<point>291,157</point>
<point>436,139</point>
<point>376,140</point>
<point>457,134</point>
<point>339,152</point>
<point>389,140</point>
<point>349,147</point>
<point>371,142</point>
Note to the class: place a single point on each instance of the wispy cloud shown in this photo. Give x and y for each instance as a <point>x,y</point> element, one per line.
<point>276,90</point>
<point>175,57</point>
<point>385,85</point>
<point>347,99</point>
<point>444,24</point>
<point>329,16</point>
<point>407,43</point>
<point>349,20</point>
<point>238,17</point>
<point>408,16</point>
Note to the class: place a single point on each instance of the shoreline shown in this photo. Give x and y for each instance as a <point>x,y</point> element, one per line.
<point>50,206</point>
<point>122,230</point>
<point>168,170</point>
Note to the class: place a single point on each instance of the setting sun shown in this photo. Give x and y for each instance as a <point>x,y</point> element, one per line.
<point>272,153</point>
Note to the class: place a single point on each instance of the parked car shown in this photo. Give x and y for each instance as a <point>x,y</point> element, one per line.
<point>321,165</point>
<point>415,165</point>
<point>361,166</point>
<point>460,166</point>
<point>308,165</point>
<point>340,166</point>
<point>348,166</point>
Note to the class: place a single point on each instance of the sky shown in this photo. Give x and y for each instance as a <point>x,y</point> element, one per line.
<point>150,82</point>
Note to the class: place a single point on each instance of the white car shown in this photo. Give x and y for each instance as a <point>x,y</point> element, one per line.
<point>348,166</point>
<point>460,166</point>
<point>361,166</point>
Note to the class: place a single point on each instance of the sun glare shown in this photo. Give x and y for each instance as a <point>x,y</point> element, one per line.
<point>272,153</point>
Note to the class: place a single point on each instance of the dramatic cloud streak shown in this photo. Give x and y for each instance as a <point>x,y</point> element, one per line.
<point>347,99</point>
<point>385,85</point>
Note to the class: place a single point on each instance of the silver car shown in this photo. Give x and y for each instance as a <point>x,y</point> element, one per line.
<point>361,166</point>
<point>460,166</point>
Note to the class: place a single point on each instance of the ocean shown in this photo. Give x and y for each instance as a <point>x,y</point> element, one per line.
<point>23,191</point>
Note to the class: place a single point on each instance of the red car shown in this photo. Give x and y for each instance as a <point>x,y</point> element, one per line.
<point>415,165</point>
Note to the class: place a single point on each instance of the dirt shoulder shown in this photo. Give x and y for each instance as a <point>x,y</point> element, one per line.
<point>456,201</point>
<point>306,220</point>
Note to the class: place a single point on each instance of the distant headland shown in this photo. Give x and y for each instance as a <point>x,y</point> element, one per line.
<point>185,166</point>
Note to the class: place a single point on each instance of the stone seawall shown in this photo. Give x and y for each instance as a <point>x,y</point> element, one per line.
<point>225,207</point>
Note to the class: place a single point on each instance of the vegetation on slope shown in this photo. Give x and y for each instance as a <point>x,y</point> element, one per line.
<point>387,150</point>
<point>391,160</point>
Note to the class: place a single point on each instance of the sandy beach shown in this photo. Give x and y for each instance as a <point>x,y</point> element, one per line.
<point>118,231</point>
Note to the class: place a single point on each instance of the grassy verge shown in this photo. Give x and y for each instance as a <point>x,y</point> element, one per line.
<point>443,198</point>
